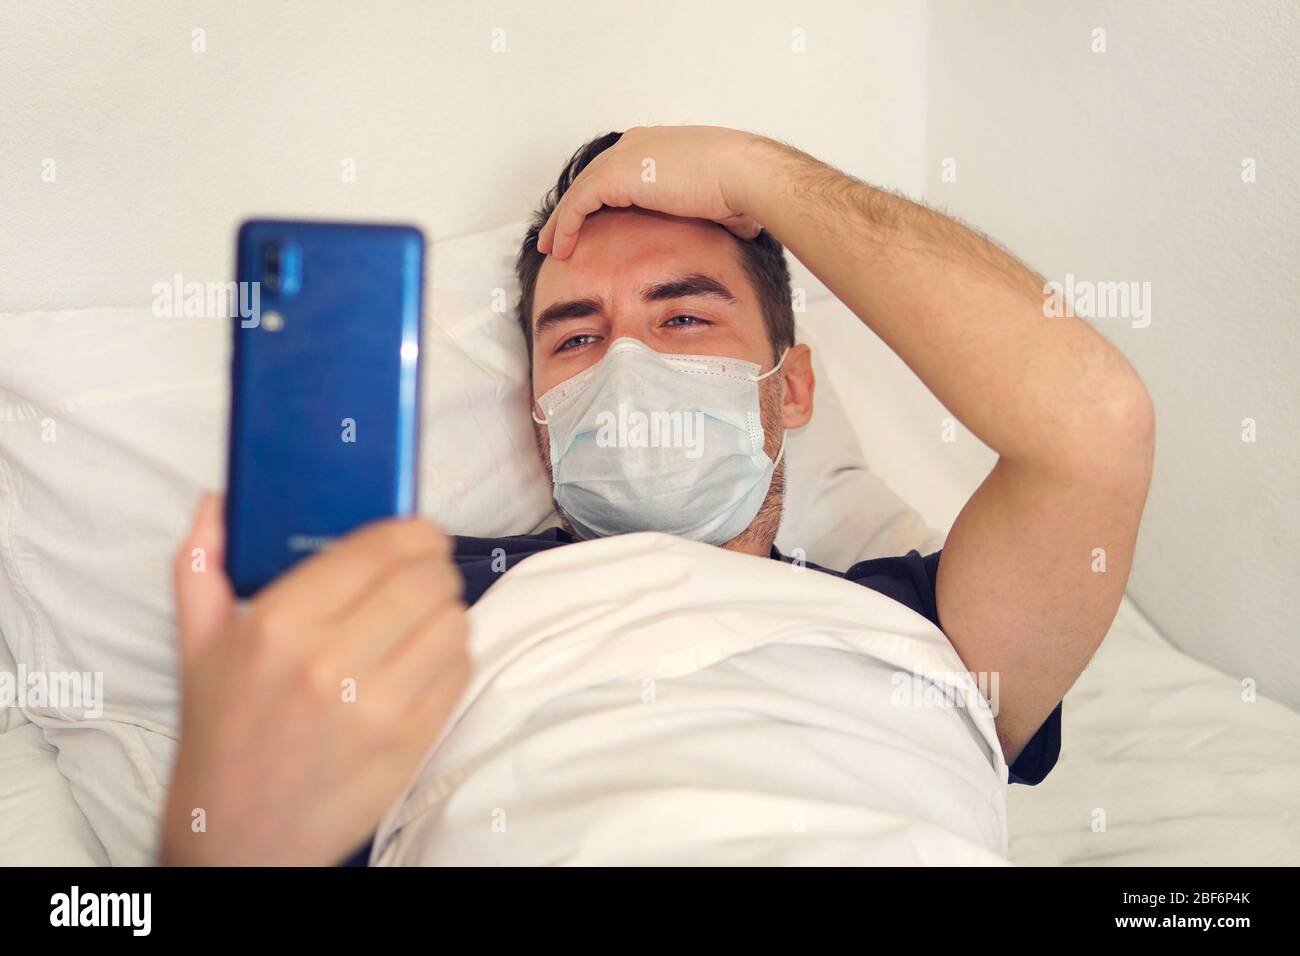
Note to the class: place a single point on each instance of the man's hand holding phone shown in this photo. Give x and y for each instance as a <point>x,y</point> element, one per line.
<point>305,715</point>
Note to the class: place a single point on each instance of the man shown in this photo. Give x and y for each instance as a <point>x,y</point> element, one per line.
<point>658,242</point>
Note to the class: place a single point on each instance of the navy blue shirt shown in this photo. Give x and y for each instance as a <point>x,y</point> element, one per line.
<point>909,580</point>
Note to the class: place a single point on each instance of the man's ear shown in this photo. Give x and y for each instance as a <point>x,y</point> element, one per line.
<point>797,377</point>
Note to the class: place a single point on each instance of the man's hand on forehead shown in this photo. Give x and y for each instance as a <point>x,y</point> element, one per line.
<point>696,172</point>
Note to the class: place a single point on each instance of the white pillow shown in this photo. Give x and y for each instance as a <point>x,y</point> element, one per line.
<point>113,421</point>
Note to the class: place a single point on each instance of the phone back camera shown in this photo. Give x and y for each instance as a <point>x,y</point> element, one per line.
<point>281,268</point>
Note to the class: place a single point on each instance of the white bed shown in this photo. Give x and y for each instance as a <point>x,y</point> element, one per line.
<point>1164,760</point>
<point>1187,774</point>
<point>1186,770</point>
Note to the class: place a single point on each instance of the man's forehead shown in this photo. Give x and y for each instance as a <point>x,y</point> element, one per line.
<point>630,249</point>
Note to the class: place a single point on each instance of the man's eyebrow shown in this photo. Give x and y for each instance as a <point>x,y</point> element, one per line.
<point>559,312</point>
<point>680,288</point>
<point>695,284</point>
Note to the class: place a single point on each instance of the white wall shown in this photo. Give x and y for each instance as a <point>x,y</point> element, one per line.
<point>160,150</point>
<point>1127,165</point>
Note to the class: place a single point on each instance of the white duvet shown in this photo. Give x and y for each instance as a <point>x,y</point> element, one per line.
<point>645,699</point>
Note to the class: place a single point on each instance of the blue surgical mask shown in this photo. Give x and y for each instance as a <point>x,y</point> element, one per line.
<point>645,441</point>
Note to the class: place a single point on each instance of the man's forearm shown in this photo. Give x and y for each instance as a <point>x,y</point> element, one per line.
<point>963,314</point>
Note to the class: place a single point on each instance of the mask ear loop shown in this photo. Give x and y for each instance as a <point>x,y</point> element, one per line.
<point>776,464</point>
<point>533,412</point>
<point>773,369</point>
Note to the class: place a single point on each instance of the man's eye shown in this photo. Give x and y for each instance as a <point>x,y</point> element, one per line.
<point>689,320</point>
<point>574,341</point>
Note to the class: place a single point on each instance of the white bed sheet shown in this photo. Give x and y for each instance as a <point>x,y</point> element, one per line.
<point>1163,763</point>
<point>40,821</point>
<point>1186,772</point>
<point>719,709</point>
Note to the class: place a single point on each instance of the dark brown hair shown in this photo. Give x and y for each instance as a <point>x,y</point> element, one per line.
<point>763,257</point>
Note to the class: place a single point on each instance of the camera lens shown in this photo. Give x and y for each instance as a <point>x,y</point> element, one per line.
<point>271,267</point>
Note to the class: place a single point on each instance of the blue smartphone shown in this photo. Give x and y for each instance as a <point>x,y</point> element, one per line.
<point>325,377</point>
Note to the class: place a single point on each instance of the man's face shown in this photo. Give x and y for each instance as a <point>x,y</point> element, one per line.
<point>677,285</point>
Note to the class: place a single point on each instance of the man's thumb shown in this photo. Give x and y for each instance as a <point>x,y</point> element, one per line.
<point>204,598</point>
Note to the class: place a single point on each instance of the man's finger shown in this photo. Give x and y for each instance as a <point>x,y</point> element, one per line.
<point>742,226</point>
<point>204,597</point>
<point>431,655</point>
<point>544,237</point>
<point>344,572</point>
<point>578,203</point>
<point>407,597</point>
